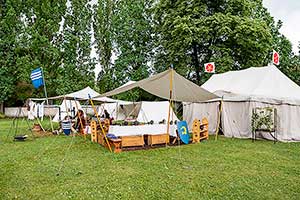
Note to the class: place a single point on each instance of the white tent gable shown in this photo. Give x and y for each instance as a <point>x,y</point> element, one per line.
<point>83,94</point>
<point>268,82</point>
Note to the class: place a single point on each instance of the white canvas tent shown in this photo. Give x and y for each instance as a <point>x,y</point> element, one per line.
<point>144,111</point>
<point>244,90</point>
<point>67,108</point>
<point>155,111</point>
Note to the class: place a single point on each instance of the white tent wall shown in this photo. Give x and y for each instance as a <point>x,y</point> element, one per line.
<point>66,108</point>
<point>210,110</point>
<point>156,111</point>
<point>287,127</point>
<point>236,118</point>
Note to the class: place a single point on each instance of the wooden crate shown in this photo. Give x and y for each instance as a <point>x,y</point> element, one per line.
<point>158,139</point>
<point>131,141</point>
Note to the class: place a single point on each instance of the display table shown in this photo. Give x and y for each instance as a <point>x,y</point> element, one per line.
<point>154,129</point>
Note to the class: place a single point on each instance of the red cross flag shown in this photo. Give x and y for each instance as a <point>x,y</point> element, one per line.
<point>209,67</point>
<point>275,57</point>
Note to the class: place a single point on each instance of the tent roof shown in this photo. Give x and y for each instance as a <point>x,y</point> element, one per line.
<point>267,83</point>
<point>80,95</point>
<point>159,85</point>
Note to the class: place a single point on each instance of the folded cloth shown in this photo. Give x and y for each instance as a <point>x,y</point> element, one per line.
<point>111,136</point>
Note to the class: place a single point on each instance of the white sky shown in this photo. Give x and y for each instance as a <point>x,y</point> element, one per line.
<point>288,11</point>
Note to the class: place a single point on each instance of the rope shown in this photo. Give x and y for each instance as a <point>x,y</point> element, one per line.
<point>64,158</point>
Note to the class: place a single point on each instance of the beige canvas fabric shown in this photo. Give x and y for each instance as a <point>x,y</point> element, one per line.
<point>159,85</point>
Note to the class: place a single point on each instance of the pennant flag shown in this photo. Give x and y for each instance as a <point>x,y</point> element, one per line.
<point>275,57</point>
<point>37,77</point>
<point>209,67</point>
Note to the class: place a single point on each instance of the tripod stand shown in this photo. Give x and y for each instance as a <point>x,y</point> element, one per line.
<point>14,128</point>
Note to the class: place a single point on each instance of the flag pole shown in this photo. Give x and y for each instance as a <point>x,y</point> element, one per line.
<point>47,101</point>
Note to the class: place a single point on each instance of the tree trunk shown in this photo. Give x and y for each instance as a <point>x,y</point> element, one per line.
<point>196,62</point>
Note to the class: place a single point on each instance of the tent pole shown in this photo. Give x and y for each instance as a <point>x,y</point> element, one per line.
<point>78,115</point>
<point>102,129</point>
<point>219,120</point>
<point>45,90</point>
<point>170,101</point>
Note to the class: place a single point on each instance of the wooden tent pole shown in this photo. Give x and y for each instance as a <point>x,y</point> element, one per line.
<point>219,120</point>
<point>170,101</point>
<point>80,121</point>
<point>102,129</point>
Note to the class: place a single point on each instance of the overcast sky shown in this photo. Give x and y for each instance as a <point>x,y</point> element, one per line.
<point>288,11</point>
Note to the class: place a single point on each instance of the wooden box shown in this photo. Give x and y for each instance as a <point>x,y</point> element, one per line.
<point>158,139</point>
<point>131,141</point>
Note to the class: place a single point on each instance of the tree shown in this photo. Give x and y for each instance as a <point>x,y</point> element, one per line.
<point>103,35</point>
<point>10,25</point>
<point>191,33</point>
<point>77,67</point>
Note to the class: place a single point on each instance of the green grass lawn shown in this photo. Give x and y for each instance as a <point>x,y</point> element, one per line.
<point>223,169</point>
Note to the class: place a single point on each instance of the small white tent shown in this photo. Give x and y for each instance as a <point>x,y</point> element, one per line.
<point>244,90</point>
<point>67,108</point>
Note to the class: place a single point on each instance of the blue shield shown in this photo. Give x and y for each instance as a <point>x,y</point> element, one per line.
<point>183,132</point>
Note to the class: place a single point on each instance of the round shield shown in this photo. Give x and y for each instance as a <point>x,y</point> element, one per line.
<point>183,132</point>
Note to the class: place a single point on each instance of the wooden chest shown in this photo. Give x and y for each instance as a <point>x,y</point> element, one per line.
<point>131,141</point>
<point>158,139</point>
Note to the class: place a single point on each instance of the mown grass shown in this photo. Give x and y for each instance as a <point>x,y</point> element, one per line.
<point>223,169</point>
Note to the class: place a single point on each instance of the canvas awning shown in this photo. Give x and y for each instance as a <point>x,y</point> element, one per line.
<point>182,89</point>
<point>80,95</point>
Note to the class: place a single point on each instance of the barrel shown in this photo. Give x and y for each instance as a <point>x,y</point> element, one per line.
<point>66,127</point>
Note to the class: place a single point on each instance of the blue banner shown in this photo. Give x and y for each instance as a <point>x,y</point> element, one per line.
<point>183,132</point>
<point>37,77</point>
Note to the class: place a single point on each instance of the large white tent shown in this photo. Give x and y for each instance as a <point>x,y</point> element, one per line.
<point>243,90</point>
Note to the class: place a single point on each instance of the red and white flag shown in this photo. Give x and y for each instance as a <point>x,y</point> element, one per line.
<point>209,67</point>
<point>275,57</point>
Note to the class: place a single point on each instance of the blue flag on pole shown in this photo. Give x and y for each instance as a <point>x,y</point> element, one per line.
<point>37,77</point>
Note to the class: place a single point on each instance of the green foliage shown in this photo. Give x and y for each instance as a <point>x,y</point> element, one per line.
<point>192,33</point>
<point>77,67</point>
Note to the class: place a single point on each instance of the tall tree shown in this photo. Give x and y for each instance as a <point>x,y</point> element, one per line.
<point>103,35</point>
<point>132,36</point>
<point>191,33</point>
<point>10,26</point>
<point>77,68</point>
